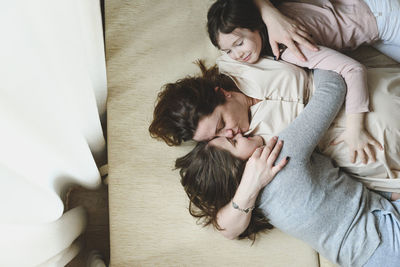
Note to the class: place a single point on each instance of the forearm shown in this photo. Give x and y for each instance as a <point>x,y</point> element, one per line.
<point>267,10</point>
<point>260,169</point>
<point>353,72</point>
<point>354,127</point>
<point>232,221</point>
<point>355,121</point>
<point>304,133</point>
<point>265,6</point>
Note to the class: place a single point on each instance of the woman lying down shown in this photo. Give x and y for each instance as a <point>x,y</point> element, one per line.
<point>306,196</point>
<point>281,91</point>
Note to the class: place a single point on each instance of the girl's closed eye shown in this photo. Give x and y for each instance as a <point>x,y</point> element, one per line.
<point>240,43</point>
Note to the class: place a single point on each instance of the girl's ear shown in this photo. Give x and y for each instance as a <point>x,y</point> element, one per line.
<point>226,93</point>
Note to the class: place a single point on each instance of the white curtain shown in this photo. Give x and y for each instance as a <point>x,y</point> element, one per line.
<point>52,100</point>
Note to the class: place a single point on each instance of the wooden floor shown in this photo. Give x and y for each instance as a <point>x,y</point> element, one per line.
<point>96,236</point>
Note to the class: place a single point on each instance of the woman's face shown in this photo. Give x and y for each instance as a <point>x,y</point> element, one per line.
<point>227,119</point>
<point>240,146</point>
<point>242,44</point>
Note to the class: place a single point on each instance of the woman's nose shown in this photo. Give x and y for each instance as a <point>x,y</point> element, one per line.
<point>237,136</point>
<point>229,133</point>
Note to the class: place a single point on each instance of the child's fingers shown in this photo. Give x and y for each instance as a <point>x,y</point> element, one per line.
<point>370,153</point>
<point>336,141</point>
<point>373,142</point>
<point>363,157</point>
<point>353,156</point>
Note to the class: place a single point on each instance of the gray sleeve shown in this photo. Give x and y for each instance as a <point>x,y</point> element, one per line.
<point>387,195</point>
<point>303,134</point>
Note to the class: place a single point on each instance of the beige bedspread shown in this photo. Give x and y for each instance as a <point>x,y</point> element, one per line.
<point>149,43</point>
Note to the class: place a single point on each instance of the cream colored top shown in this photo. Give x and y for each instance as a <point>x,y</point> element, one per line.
<point>283,87</point>
<point>285,90</point>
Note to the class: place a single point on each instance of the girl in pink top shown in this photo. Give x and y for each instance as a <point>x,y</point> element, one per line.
<point>236,27</point>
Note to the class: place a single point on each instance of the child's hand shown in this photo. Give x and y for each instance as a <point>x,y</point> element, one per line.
<point>358,139</point>
<point>260,168</point>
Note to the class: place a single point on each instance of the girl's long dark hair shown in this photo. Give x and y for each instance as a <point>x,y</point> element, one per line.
<point>210,177</point>
<point>227,15</point>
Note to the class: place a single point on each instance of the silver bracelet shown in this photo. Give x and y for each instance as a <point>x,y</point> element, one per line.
<point>236,206</point>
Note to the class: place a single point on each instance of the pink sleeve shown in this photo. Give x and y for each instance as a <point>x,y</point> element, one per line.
<point>353,72</point>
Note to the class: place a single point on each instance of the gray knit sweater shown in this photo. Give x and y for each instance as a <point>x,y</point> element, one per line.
<point>312,200</point>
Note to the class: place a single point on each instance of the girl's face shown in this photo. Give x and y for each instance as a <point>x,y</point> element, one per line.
<point>242,44</point>
<point>239,146</point>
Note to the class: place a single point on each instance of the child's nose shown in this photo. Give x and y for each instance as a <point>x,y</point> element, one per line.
<point>237,54</point>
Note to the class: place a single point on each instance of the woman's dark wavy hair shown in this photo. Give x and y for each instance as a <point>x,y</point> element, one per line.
<point>181,105</point>
<point>226,15</point>
<point>210,177</point>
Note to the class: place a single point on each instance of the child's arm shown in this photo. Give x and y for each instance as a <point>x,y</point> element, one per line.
<point>283,30</point>
<point>357,99</point>
<point>259,171</point>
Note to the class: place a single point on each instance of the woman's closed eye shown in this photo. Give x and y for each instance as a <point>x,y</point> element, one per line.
<point>232,141</point>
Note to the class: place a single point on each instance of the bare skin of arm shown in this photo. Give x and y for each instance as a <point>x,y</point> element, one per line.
<point>283,30</point>
<point>358,139</point>
<point>258,173</point>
